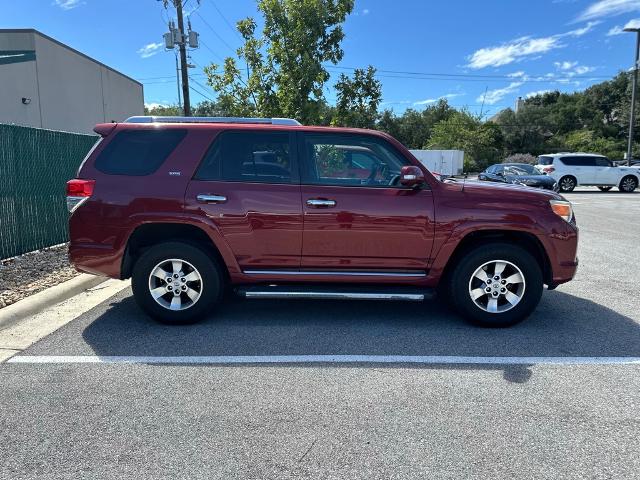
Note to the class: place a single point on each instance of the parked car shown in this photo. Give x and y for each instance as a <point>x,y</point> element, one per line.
<point>193,208</point>
<point>518,173</point>
<point>587,169</point>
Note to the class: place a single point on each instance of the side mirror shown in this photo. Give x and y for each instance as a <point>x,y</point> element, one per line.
<point>411,176</point>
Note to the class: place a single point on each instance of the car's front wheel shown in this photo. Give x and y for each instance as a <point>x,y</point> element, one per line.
<point>496,285</point>
<point>176,282</point>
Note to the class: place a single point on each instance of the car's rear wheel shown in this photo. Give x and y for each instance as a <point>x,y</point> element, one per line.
<point>176,282</point>
<point>605,189</point>
<point>496,285</point>
<point>567,184</point>
<point>628,184</point>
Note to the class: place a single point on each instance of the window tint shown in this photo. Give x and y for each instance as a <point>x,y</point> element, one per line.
<point>602,162</point>
<point>579,161</point>
<point>350,160</point>
<point>138,152</point>
<point>498,169</point>
<point>248,157</point>
<point>542,160</point>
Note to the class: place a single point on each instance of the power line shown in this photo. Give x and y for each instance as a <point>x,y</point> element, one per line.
<point>215,33</point>
<point>225,19</point>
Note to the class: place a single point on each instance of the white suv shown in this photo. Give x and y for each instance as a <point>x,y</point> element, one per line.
<point>573,169</point>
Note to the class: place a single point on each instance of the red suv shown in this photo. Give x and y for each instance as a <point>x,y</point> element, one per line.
<point>192,208</point>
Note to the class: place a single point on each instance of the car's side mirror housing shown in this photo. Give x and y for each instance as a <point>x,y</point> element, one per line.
<point>411,176</point>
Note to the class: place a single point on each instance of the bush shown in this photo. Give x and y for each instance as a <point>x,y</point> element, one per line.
<point>521,158</point>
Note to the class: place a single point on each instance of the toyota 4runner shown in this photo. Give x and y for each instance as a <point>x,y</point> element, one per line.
<point>194,208</point>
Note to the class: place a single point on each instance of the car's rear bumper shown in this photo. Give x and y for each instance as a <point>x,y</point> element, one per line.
<point>97,259</point>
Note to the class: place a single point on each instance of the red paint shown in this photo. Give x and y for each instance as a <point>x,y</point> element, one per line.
<point>270,226</point>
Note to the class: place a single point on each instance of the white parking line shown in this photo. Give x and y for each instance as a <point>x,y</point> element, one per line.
<point>301,359</point>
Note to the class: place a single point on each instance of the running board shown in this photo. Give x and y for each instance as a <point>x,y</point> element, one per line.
<point>336,292</point>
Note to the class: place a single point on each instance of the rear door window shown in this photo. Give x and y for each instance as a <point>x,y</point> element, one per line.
<point>579,161</point>
<point>138,152</point>
<point>264,157</point>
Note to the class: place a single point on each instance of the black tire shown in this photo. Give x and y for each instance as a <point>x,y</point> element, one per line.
<point>211,286</point>
<point>567,184</point>
<point>460,283</point>
<point>628,184</point>
<point>605,189</point>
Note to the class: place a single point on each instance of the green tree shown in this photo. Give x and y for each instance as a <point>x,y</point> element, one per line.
<point>358,99</point>
<point>480,141</point>
<point>285,65</point>
<point>413,128</point>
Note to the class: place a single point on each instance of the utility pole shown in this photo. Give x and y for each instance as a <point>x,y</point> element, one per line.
<point>178,82</point>
<point>632,115</point>
<point>177,36</point>
<point>183,59</point>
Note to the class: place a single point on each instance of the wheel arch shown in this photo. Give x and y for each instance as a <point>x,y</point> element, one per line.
<point>148,234</point>
<point>526,240</point>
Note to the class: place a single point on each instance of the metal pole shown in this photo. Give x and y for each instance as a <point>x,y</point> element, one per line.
<point>178,82</point>
<point>632,115</point>
<point>183,60</point>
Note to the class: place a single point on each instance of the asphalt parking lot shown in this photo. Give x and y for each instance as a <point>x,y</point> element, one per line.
<point>337,420</point>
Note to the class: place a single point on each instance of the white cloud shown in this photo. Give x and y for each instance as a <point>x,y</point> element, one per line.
<point>536,93</point>
<point>519,74</point>
<point>520,48</point>
<point>494,96</point>
<point>429,101</point>
<point>565,65</point>
<point>153,105</point>
<point>617,30</point>
<point>365,11</point>
<point>608,8</point>
<point>150,50</point>
<point>582,69</point>
<point>68,4</point>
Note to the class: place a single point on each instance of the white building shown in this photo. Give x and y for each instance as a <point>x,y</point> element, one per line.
<point>46,84</point>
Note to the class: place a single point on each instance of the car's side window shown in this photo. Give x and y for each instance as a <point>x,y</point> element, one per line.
<point>248,156</point>
<point>350,160</point>
<point>602,162</point>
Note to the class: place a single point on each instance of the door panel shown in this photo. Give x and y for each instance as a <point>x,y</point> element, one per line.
<point>355,214</point>
<point>372,228</point>
<point>262,223</point>
<point>247,184</point>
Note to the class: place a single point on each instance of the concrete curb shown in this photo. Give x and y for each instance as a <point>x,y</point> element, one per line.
<point>58,293</point>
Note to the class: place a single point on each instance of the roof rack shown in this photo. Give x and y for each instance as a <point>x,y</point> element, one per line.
<point>155,119</point>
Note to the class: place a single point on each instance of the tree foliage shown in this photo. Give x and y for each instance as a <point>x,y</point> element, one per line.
<point>358,99</point>
<point>285,72</point>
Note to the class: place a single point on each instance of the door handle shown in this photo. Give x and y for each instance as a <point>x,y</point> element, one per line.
<point>203,198</point>
<point>321,202</point>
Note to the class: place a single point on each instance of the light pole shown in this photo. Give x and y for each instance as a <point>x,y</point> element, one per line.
<point>632,115</point>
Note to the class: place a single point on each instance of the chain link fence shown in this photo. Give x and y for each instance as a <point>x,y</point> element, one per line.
<point>35,165</point>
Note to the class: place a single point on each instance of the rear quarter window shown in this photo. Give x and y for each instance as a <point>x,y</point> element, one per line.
<point>138,152</point>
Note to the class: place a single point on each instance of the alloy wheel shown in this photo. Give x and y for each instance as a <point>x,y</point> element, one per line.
<point>628,184</point>
<point>175,284</point>
<point>497,286</point>
<point>567,184</point>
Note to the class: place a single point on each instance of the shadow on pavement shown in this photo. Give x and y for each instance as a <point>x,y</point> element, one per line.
<point>563,325</point>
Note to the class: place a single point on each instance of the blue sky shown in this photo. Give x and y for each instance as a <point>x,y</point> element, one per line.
<point>465,51</point>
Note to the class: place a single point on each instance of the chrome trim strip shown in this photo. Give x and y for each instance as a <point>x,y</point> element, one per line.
<point>338,273</point>
<point>414,297</point>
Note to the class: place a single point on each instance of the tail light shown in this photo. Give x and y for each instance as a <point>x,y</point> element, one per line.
<point>78,192</point>
<point>548,169</point>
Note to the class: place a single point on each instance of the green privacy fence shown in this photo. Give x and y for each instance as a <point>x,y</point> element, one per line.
<point>35,164</point>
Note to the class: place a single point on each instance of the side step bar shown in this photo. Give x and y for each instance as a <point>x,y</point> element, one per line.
<point>336,292</point>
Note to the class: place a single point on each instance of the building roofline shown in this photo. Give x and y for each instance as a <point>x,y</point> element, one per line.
<point>59,43</point>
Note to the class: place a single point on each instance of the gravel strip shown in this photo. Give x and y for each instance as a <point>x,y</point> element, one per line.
<point>33,272</point>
